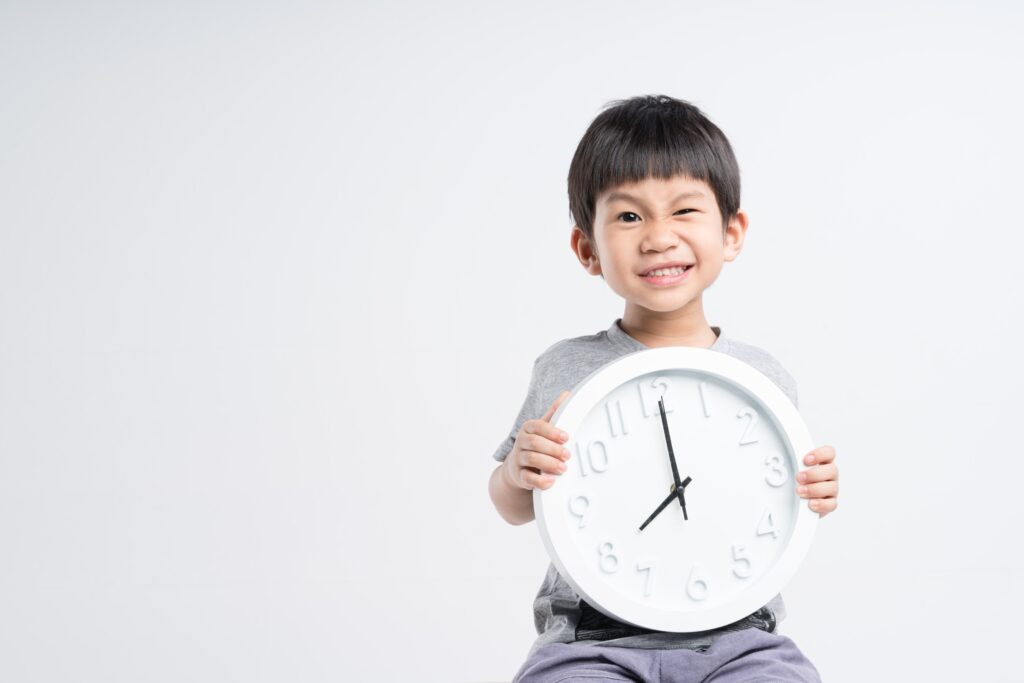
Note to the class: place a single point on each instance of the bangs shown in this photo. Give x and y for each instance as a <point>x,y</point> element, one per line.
<point>645,137</point>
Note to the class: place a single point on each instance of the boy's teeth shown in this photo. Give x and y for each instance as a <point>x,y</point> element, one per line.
<point>665,271</point>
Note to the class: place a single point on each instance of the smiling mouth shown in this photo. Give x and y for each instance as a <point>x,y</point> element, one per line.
<point>667,276</point>
<point>674,270</point>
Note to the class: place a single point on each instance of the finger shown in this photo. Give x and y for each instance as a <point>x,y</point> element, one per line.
<point>544,463</point>
<point>545,430</point>
<point>827,472</point>
<point>533,480</point>
<point>819,455</point>
<point>554,406</point>
<point>824,489</point>
<point>823,506</point>
<point>538,444</point>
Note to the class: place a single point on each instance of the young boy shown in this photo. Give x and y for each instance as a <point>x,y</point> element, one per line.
<point>654,190</point>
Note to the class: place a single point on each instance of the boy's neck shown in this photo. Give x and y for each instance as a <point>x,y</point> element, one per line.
<point>685,327</point>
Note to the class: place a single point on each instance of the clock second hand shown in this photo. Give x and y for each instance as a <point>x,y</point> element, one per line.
<point>668,500</point>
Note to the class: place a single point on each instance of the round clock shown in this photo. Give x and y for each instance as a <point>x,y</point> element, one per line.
<point>678,510</point>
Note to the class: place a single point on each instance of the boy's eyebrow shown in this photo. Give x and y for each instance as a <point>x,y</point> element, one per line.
<point>691,194</point>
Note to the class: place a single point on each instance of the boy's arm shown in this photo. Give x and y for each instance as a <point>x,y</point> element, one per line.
<point>536,458</point>
<point>514,504</point>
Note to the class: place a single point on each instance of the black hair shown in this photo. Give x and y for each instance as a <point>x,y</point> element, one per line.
<point>650,135</point>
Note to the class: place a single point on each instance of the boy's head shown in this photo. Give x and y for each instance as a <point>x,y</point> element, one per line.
<point>653,181</point>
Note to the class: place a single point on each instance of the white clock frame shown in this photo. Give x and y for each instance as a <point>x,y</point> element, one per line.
<point>587,395</point>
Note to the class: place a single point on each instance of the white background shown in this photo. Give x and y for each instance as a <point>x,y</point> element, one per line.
<point>273,277</point>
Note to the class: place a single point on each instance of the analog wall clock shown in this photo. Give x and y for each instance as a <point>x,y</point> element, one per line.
<point>678,511</point>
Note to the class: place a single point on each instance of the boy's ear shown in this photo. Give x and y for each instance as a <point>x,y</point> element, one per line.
<point>584,251</point>
<point>734,235</point>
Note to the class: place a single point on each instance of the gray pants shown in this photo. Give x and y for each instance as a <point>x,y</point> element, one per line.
<point>747,655</point>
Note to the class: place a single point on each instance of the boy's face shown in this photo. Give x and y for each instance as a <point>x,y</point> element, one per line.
<point>641,225</point>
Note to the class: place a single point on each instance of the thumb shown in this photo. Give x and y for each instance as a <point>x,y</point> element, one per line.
<point>554,406</point>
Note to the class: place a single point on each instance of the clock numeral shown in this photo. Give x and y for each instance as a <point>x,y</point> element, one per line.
<point>615,418</point>
<point>647,566</point>
<point>609,561</point>
<point>746,438</point>
<point>704,399</point>
<point>650,393</point>
<point>777,474</point>
<point>742,566</point>
<point>596,460</point>
<point>580,507</point>
<point>697,585</point>
<point>767,525</point>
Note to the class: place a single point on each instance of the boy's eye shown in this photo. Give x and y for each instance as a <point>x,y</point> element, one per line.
<point>622,216</point>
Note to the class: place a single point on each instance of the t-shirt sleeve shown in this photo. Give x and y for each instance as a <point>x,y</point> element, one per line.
<point>777,373</point>
<point>532,408</point>
<point>786,383</point>
<point>767,364</point>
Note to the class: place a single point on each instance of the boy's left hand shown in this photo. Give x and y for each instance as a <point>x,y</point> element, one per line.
<point>820,482</point>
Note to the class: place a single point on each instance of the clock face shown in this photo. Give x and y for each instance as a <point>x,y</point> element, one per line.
<point>613,522</point>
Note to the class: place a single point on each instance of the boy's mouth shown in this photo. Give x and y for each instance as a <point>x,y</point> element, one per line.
<point>666,276</point>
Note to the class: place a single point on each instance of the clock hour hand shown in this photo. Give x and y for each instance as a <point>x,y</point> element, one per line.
<point>671,455</point>
<point>672,495</point>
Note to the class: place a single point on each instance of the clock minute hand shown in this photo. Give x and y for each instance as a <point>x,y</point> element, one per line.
<point>665,503</point>
<point>671,455</point>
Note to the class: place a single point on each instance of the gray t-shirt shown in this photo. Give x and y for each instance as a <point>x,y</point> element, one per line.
<point>558,610</point>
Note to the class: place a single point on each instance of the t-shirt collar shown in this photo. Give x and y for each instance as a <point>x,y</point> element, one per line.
<point>619,336</point>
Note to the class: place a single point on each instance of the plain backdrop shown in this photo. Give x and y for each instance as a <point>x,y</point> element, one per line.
<point>273,276</point>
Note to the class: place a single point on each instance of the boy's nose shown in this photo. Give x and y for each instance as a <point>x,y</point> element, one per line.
<point>660,235</point>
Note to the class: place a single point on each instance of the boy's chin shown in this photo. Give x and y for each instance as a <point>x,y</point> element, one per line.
<point>667,304</point>
<point>667,300</point>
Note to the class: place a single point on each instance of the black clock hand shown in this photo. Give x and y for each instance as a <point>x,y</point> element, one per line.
<point>665,503</point>
<point>672,455</point>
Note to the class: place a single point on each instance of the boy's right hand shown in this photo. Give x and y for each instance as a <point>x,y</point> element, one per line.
<point>538,455</point>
